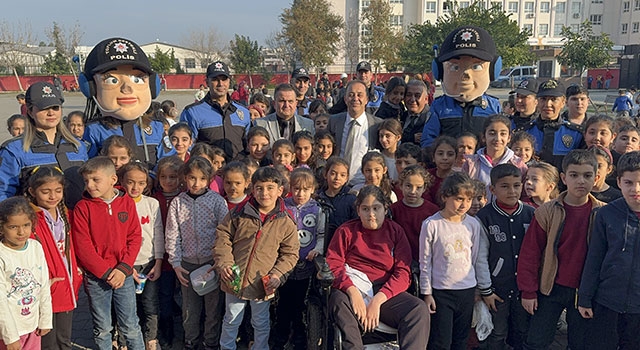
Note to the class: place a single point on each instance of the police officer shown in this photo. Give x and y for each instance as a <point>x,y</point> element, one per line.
<point>526,104</point>
<point>300,81</point>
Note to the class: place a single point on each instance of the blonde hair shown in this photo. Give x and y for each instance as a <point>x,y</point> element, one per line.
<point>30,133</point>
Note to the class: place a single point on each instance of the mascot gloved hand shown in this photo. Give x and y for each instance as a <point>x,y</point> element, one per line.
<point>466,64</point>
<point>119,84</point>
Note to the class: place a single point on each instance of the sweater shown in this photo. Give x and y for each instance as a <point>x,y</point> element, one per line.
<point>448,253</point>
<point>191,227</point>
<point>108,234</point>
<point>152,246</point>
<point>26,298</point>
<point>479,166</point>
<point>411,218</point>
<point>383,255</point>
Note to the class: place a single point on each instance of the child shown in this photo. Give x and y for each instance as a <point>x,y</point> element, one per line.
<point>216,157</point>
<point>627,140</point>
<point>257,146</point>
<point>236,180</point>
<point>541,183</point>
<point>505,221</point>
<point>263,217</point>
<point>467,144</point>
<point>53,232</point>
<point>599,130</point>
<point>605,295</point>
<point>118,149</point>
<point>255,111</point>
<point>375,171</point>
<point>149,260</point>
<point>107,228</point>
<point>337,193</point>
<point>445,152</point>
<point>181,139</point>
<point>389,135</point>
<point>411,211</point>
<point>392,106</point>
<point>303,143</point>
<point>406,155</point>
<point>523,145</point>
<point>601,190</point>
<point>22,101</point>
<point>325,144</point>
<point>497,134</point>
<point>553,252</point>
<point>311,219</point>
<point>15,125</point>
<point>448,251</point>
<point>75,124</point>
<point>283,152</point>
<point>321,122</point>
<point>479,197</point>
<point>24,277</point>
<point>622,105</point>
<point>189,237</point>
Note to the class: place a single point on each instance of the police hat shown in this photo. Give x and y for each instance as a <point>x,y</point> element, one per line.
<point>43,95</point>
<point>300,72</point>
<point>363,65</point>
<point>468,41</point>
<point>552,88</point>
<point>114,52</point>
<point>217,68</point>
<point>527,87</point>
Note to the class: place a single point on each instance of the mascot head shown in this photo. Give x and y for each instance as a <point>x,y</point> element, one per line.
<point>118,80</point>
<point>467,63</point>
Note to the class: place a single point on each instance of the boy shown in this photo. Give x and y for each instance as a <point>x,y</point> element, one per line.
<point>106,225</point>
<point>553,253</point>
<point>407,154</point>
<point>505,221</point>
<point>608,293</point>
<point>260,238</point>
<point>622,104</point>
<point>22,101</point>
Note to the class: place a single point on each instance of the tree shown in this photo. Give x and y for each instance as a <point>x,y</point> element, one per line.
<point>313,30</point>
<point>583,49</point>
<point>15,40</point>
<point>381,39</point>
<point>65,42</point>
<point>162,62</point>
<point>55,63</point>
<point>511,42</point>
<point>245,56</point>
<point>351,39</point>
<point>283,51</point>
<point>207,44</point>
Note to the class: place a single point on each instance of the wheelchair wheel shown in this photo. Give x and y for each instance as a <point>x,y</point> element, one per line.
<point>316,326</point>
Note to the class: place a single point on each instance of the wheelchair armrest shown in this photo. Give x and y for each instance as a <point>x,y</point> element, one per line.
<point>324,275</point>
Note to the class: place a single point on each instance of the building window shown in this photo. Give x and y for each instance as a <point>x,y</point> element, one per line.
<point>498,4</point>
<point>636,27</point>
<point>396,20</point>
<point>596,20</point>
<point>395,1</point>
<point>557,29</point>
<point>365,53</point>
<point>636,5</point>
<point>625,6</point>
<point>190,63</point>
<point>596,1</point>
<point>365,30</point>
<point>544,7</point>
<point>625,28</point>
<point>464,4</point>
<point>560,7</point>
<point>365,4</point>
<point>575,28</point>
<point>446,7</point>
<point>543,29</point>
<point>575,7</point>
<point>513,7</point>
<point>529,7</point>
<point>430,7</point>
<point>529,27</point>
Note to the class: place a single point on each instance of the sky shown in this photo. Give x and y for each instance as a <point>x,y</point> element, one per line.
<point>146,21</point>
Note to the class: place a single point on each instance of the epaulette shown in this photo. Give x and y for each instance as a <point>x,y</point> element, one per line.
<point>196,103</point>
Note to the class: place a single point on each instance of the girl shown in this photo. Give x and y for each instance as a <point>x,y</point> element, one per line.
<point>118,149</point>
<point>337,193</point>
<point>255,112</point>
<point>53,232</point>
<point>467,143</point>
<point>303,144</point>
<point>479,197</point>
<point>189,236</point>
<point>411,211</point>
<point>325,144</point>
<point>321,122</point>
<point>599,130</point>
<point>181,139</point>
<point>216,157</point>
<point>385,271</point>
<point>601,190</point>
<point>523,146</point>
<point>445,152</point>
<point>75,124</point>
<point>389,135</point>
<point>375,171</point>
<point>448,250</point>
<point>310,218</point>
<point>149,260</point>
<point>257,150</point>
<point>497,134</point>
<point>283,153</point>
<point>236,181</point>
<point>24,277</point>
<point>317,107</point>
<point>541,183</point>
<point>392,106</point>
<point>170,112</point>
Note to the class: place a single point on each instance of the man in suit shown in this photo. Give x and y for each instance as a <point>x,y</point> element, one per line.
<point>284,122</point>
<point>364,136</point>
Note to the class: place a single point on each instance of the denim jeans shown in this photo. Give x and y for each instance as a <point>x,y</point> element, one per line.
<point>101,296</point>
<point>234,311</point>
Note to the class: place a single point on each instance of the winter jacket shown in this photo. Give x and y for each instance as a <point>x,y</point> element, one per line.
<point>478,166</point>
<point>554,139</point>
<point>259,248</point>
<point>343,207</point>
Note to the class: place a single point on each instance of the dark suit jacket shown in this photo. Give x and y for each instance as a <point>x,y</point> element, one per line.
<point>336,127</point>
<point>270,122</point>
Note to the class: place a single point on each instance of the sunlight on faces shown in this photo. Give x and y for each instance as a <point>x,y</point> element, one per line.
<point>303,149</point>
<point>456,206</point>
<point>413,187</point>
<point>134,183</point>
<point>373,173</point>
<point>598,134</point>
<point>258,147</point>
<point>181,141</point>
<point>301,192</point>
<point>497,136</point>
<point>356,99</point>
<point>604,169</point>
<point>577,105</point>
<point>579,179</point>
<point>218,86</point>
<point>119,156</point>
<point>396,95</point>
<point>124,92</point>
<point>302,85</point>
<point>235,185</point>
<point>477,202</point>
<point>466,145</point>
<point>550,107</point>
<point>75,124</point>
<point>629,184</point>
<point>444,157</point>
<point>507,190</point>
<point>99,184</point>
<point>526,104</point>
<point>388,140</point>
<point>337,176</point>
<point>48,195</point>
<point>169,180</point>
<point>523,149</point>
<point>196,182</point>
<point>285,104</point>
<point>324,148</point>
<point>254,114</point>
<point>17,127</point>
<point>371,213</point>
<point>365,76</point>
<point>415,99</point>
<point>217,163</point>
<point>404,162</point>
<point>536,185</point>
<point>46,119</point>
<point>627,141</point>
<point>283,156</point>
<point>16,231</point>
<point>266,194</point>
<point>465,78</point>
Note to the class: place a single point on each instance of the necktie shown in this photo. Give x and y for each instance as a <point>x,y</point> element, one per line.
<point>286,134</point>
<point>351,137</point>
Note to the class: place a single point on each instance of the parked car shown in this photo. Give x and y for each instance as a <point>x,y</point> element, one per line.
<point>518,74</point>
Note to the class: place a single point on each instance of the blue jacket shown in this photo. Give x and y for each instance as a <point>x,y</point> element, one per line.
<point>344,208</point>
<point>16,165</point>
<point>611,274</point>
<point>554,139</point>
<point>97,132</point>
<point>224,128</point>
<point>622,103</point>
<point>449,117</point>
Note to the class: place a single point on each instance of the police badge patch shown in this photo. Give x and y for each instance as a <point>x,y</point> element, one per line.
<point>567,140</point>
<point>123,216</point>
<point>240,114</point>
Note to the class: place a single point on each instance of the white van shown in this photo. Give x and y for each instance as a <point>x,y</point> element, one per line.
<point>518,73</point>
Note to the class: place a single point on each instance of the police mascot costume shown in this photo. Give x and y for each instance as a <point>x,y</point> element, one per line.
<point>119,85</point>
<point>467,63</point>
